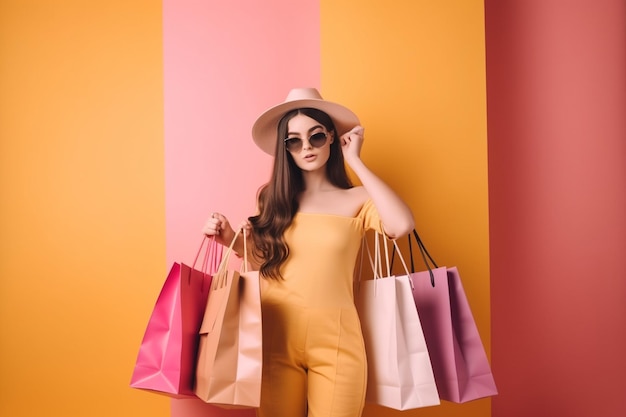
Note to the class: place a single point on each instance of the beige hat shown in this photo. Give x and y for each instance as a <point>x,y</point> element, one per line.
<point>264,129</point>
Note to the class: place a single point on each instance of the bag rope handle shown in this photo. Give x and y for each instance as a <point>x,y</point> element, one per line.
<point>426,257</point>
<point>221,273</point>
<point>210,257</point>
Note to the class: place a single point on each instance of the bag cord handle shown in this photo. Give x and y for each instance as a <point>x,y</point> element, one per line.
<point>376,261</point>
<point>211,258</point>
<point>426,257</point>
<point>221,273</point>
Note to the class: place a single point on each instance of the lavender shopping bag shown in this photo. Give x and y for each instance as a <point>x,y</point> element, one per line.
<point>460,364</point>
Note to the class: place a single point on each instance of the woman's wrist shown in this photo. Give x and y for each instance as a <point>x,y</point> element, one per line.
<point>355,163</point>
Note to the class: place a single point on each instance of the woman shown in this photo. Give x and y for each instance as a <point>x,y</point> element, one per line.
<point>305,240</point>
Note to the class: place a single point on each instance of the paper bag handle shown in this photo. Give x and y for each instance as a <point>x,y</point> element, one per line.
<point>428,260</point>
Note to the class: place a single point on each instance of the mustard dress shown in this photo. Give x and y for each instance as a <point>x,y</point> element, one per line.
<point>313,353</point>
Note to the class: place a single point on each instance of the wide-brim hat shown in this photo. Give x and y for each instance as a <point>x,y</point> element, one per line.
<point>264,129</point>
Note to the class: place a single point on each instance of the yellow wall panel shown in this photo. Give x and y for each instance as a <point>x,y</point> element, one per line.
<point>81,210</point>
<point>414,72</point>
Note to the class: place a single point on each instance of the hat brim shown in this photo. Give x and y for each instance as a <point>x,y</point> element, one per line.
<point>264,129</point>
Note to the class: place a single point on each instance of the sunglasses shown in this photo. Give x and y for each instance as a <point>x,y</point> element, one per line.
<point>317,140</point>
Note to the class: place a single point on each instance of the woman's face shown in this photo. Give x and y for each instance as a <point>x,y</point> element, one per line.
<point>308,141</point>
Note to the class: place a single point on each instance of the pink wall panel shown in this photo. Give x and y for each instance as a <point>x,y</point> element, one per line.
<point>224,63</point>
<point>557,183</point>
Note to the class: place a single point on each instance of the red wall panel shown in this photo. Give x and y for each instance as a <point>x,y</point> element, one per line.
<point>557,182</point>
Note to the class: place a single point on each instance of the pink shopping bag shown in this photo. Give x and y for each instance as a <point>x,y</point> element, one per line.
<point>400,374</point>
<point>166,360</point>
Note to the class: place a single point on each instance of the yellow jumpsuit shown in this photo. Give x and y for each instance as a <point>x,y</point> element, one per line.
<point>313,353</point>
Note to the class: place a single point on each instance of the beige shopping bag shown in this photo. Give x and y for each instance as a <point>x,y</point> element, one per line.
<point>230,354</point>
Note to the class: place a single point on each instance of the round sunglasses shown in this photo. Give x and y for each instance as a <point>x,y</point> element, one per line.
<point>317,140</point>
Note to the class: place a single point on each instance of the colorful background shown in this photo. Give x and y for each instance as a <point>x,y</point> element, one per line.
<point>123,124</point>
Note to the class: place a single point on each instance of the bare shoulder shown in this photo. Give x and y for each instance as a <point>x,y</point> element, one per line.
<point>352,200</point>
<point>358,195</point>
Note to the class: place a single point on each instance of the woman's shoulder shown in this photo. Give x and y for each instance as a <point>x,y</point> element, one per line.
<point>356,198</point>
<point>357,194</point>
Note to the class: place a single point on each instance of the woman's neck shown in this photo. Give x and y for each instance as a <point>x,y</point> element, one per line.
<point>315,181</point>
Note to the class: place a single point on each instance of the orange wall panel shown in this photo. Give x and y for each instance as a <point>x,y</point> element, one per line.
<point>81,212</point>
<point>414,72</point>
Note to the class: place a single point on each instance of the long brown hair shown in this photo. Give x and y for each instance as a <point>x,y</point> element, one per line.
<point>278,199</point>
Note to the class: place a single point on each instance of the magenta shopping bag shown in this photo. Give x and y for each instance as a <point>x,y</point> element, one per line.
<point>167,356</point>
<point>460,364</point>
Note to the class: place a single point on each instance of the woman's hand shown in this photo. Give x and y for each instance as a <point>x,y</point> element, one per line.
<point>246,227</point>
<point>217,225</point>
<point>394,213</point>
<point>351,143</point>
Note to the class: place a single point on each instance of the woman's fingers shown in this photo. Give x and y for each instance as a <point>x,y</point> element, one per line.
<point>246,227</point>
<point>354,134</point>
<point>215,224</point>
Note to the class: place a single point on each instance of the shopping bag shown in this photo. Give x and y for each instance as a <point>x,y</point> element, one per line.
<point>230,354</point>
<point>459,360</point>
<point>166,360</point>
<point>400,374</point>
